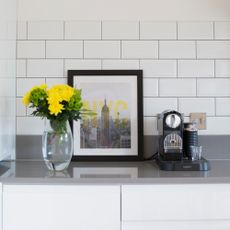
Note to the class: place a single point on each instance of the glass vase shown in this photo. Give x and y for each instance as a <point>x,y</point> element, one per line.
<point>57,145</point>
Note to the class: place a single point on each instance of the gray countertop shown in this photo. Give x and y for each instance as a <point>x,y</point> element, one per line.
<point>35,172</point>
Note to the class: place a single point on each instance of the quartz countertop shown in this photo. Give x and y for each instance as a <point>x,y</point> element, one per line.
<point>147,172</point>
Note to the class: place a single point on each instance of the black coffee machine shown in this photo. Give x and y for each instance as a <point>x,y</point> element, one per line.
<point>174,141</point>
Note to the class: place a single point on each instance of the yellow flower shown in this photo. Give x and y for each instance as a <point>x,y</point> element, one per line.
<point>67,93</point>
<point>55,108</point>
<point>60,93</point>
<point>26,99</point>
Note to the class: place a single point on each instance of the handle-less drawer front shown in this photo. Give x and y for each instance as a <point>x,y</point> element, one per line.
<point>177,225</point>
<point>176,202</point>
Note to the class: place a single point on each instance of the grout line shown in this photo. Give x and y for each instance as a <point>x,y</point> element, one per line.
<point>64,24</point>
<point>101,30</point>
<point>215,105</point>
<point>177,68</point>
<point>214,30</point>
<point>120,49</point>
<point>196,49</point>
<point>158,87</point>
<point>177,32</point>
<point>158,51</point>
<point>83,49</point>
<point>45,50</point>
<point>214,68</point>
<point>196,86</point>
<point>27,30</point>
<point>139,27</point>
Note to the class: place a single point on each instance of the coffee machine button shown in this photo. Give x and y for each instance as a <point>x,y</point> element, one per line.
<point>173,121</point>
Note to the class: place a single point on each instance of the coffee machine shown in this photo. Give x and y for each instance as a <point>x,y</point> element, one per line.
<point>172,152</point>
<point>170,128</point>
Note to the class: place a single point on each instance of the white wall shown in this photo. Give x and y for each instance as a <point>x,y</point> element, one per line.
<point>186,65</point>
<point>7,77</point>
<point>213,10</point>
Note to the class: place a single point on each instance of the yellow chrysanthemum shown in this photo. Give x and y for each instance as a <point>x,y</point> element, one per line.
<point>55,108</point>
<point>26,99</point>
<point>60,93</point>
<point>53,97</point>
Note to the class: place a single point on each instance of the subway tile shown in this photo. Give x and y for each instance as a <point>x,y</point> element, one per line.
<point>197,105</point>
<point>213,49</point>
<point>159,68</point>
<point>120,30</point>
<point>25,84</point>
<point>154,106</point>
<point>195,30</point>
<point>83,30</point>
<point>222,30</point>
<point>30,126</point>
<point>21,30</point>
<point>222,68</point>
<point>120,64</point>
<point>217,126</point>
<point>55,81</point>
<point>150,126</point>
<point>150,87</point>
<point>177,87</point>
<point>196,68</point>
<point>223,106</point>
<point>157,30</point>
<point>45,68</point>
<point>21,68</point>
<point>31,49</point>
<point>177,49</point>
<point>72,64</point>
<point>213,87</point>
<point>20,107</point>
<point>102,49</point>
<point>45,30</point>
<point>139,49</point>
<point>64,49</point>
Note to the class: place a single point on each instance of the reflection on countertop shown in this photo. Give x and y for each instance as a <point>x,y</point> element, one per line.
<point>112,173</point>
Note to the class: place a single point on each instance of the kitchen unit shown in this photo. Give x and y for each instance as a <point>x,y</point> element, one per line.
<point>120,196</point>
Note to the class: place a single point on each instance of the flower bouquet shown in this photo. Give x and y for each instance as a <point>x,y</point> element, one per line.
<point>59,105</point>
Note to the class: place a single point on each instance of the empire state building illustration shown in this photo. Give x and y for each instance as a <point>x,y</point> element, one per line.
<point>105,126</point>
<point>105,130</point>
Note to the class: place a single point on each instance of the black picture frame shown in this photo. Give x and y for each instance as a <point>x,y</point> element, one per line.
<point>137,75</point>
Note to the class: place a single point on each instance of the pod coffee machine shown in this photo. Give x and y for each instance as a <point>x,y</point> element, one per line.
<point>174,141</point>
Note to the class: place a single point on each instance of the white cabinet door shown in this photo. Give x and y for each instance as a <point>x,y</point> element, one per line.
<point>176,202</point>
<point>177,225</point>
<point>61,207</point>
<point>1,206</point>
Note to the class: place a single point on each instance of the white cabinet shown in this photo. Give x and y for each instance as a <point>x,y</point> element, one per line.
<point>187,207</point>
<point>59,207</point>
<point>1,206</point>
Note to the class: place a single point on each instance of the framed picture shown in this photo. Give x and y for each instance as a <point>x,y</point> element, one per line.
<point>115,130</point>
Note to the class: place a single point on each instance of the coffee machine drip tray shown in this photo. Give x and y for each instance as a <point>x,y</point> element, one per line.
<point>183,165</point>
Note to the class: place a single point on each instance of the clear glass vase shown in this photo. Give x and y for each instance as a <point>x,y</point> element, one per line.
<point>57,145</point>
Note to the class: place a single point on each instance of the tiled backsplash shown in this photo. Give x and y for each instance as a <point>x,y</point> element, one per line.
<point>186,65</point>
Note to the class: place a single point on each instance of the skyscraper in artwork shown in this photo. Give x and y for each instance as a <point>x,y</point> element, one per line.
<point>105,129</point>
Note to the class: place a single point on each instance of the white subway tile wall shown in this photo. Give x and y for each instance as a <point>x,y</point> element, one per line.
<point>186,65</point>
<point>47,30</point>
<point>82,30</point>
